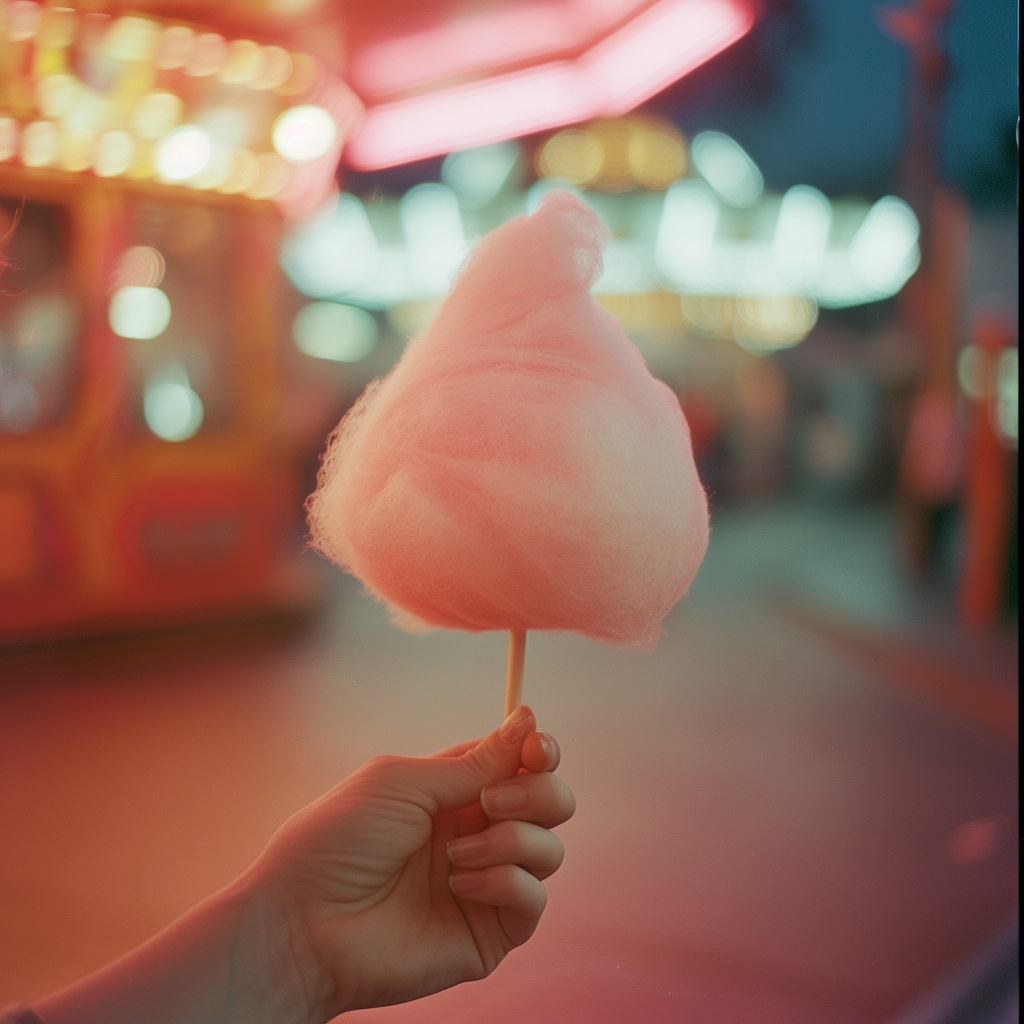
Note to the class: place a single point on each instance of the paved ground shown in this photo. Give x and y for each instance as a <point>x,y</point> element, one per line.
<point>799,809</point>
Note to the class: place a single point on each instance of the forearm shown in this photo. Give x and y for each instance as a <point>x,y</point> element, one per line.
<point>227,961</point>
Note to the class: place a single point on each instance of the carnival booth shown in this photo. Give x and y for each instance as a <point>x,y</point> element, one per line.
<point>146,169</point>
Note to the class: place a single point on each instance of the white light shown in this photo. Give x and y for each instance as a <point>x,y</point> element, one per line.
<point>884,253</point>
<point>334,253</point>
<point>801,234</point>
<point>183,153</point>
<point>1007,392</point>
<point>686,233</point>
<point>173,411</point>
<point>304,133</point>
<point>969,372</point>
<point>139,313</point>
<point>433,230</point>
<point>477,175</point>
<point>329,330</point>
<point>727,168</point>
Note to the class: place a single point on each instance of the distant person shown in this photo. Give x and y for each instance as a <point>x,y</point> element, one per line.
<point>412,875</point>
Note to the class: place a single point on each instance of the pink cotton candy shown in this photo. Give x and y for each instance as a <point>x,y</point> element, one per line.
<point>519,468</point>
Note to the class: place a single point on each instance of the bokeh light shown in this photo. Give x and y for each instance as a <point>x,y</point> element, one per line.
<point>138,312</point>
<point>173,411</point>
<point>39,144</point>
<point>883,253</point>
<point>183,153</point>
<point>8,138</point>
<point>572,155</point>
<point>174,47</point>
<point>156,114</point>
<point>331,330</point>
<point>113,154</point>
<point>141,266</point>
<point>801,236</point>
<point>726,167</point>
<point>243,62</point>
<point>478,175</point>
<point>304,133</point>
<point>207,56</point>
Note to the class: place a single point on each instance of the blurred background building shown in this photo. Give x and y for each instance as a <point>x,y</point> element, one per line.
<point>196,287</point>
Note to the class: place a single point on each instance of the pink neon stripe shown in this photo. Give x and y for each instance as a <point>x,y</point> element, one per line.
<point>663,44</point>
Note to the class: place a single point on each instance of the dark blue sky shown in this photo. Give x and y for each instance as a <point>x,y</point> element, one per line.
<point>832,108</point>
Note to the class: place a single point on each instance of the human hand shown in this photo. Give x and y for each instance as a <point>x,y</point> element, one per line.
<point>406,879</point>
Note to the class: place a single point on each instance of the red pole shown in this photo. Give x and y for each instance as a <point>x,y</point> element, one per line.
<point>987,496</point>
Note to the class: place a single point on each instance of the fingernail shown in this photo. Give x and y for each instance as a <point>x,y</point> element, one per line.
<point>466,848</point>
<point>550,747</point>
<point>462,883</point>
<point>503,798</point>
<point>516,726</point>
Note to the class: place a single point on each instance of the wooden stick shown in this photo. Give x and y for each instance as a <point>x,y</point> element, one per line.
<point>514,681</point>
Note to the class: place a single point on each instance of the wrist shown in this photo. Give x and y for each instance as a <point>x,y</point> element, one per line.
<point>276,974</point>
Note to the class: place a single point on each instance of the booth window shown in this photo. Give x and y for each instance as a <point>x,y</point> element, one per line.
<point>40,317</point>
<point>181,345</point>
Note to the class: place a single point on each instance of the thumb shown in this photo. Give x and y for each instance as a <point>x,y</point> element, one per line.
<point>454,782</point>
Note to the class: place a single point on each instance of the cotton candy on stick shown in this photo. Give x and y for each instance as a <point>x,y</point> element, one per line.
<point>519,468</point>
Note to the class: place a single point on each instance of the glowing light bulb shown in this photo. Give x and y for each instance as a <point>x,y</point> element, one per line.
<point>173,411</point>
<point>183,153</point>
<point>331,330</point>
<point>304,133</point>
<point>139,312</point>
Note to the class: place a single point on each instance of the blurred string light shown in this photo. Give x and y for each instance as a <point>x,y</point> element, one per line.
<point>478,175</point>
<point>242,95</point>
<point>615,155</point>
<point>8,138</point>
<point>172,410</point>
<point>980,381</point>
<point>757,272</point>
<point>183,153</point>
<point>334,253</point>
<point>334,331</point>
<point>304,133</point>
<point>686,234</point>
<point>801,236</point>
<point>434,234</point>
<point>884,249</point>
<point>726,167</point>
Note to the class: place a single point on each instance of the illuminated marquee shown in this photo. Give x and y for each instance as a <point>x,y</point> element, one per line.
<point>145,99</point>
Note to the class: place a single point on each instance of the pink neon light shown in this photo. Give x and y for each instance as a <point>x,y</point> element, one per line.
<point>486,42</point>
<point>661,45</point>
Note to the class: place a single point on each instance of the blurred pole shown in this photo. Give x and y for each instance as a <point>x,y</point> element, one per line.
<point>931,306</point>
<point>987,491</point>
